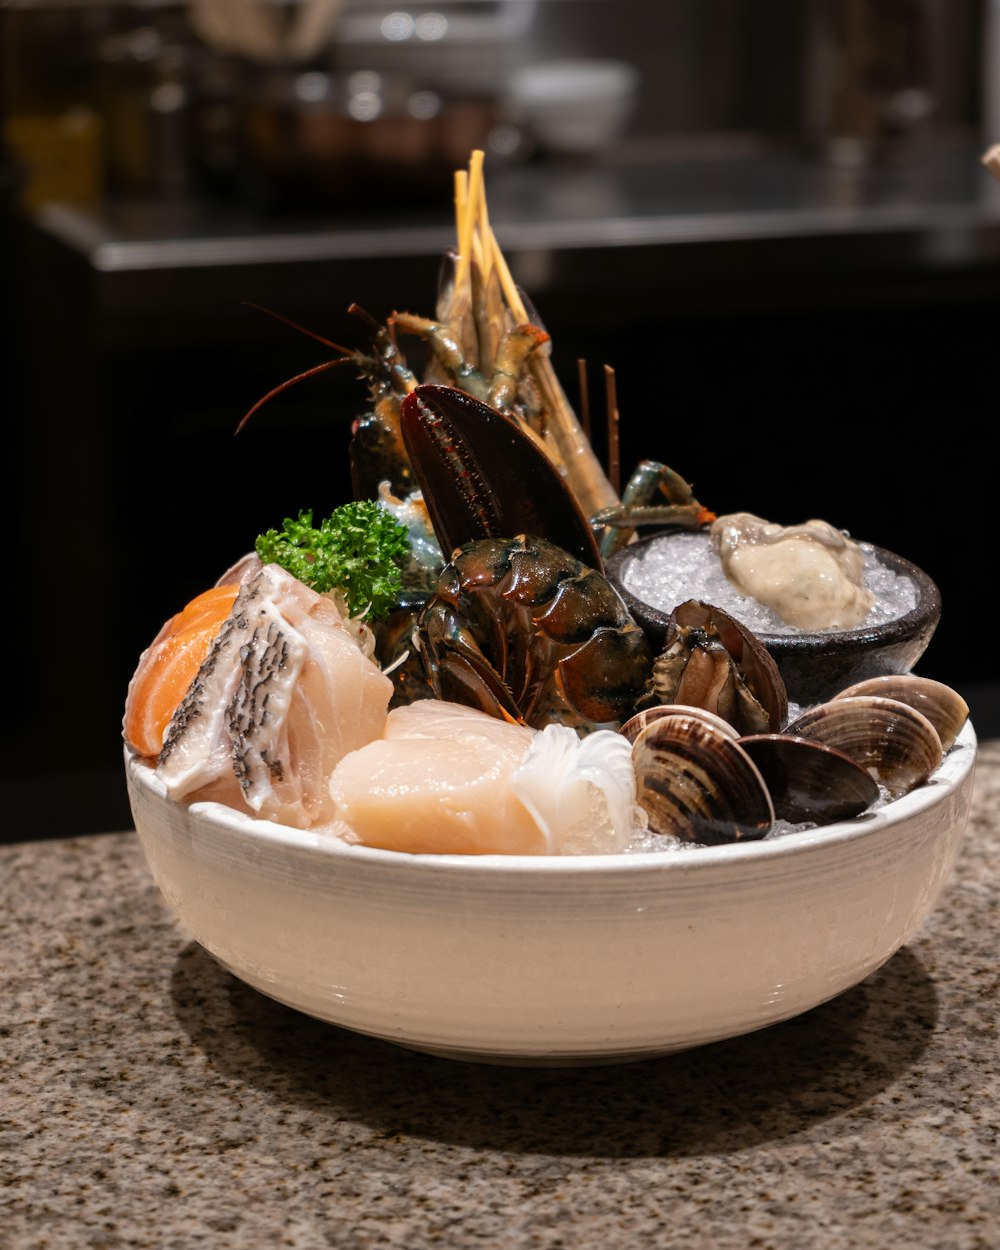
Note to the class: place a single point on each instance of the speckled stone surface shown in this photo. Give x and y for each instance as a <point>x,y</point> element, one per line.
<point>149,1099</point>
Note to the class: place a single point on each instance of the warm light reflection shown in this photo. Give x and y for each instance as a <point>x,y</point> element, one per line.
<point>365,106</point>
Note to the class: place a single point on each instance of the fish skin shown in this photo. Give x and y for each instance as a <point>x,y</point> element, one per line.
<point>282,695</point>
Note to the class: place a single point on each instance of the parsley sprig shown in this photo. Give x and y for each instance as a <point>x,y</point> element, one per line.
<point>359,550</point>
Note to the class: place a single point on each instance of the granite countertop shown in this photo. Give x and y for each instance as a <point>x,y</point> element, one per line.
<point>149,1099</point>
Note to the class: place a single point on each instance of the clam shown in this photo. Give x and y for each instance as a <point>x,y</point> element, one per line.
<point>637,723</point>
<point>810,782</point>
<point>697,784</point>
<point>944,707</point>
<point>898,745</point>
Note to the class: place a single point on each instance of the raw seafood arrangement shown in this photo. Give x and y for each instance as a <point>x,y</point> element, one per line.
<point>441,666</point>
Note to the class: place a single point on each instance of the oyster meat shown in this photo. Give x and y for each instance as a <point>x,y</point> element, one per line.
<point>811,575</point>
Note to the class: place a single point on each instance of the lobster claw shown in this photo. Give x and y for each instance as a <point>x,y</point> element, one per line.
<point>482,477</point>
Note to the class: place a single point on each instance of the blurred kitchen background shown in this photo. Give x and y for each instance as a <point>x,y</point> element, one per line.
<point>770,217</point>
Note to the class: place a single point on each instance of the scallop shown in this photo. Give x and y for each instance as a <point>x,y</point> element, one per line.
<point>892,740</point>
<point>810,782</point>
<point>944,707</point>
<point>697,784</point>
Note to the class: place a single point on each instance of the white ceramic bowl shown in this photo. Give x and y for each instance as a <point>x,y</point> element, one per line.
<point>555,961</point>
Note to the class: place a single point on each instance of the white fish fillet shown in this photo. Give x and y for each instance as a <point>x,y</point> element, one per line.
<point>282,696</point>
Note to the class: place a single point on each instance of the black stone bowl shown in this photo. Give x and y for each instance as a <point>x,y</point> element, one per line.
<point>815,666</point>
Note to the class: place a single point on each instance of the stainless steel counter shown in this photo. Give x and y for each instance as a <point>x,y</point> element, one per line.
<point>652,195</point>
<point>619,222</point>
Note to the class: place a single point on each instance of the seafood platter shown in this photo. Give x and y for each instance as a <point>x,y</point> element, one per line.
<point>436,768</point>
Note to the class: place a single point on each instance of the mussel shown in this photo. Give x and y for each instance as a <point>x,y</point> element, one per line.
<point>711,660</point>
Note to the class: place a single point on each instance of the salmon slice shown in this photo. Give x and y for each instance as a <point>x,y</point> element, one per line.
<point>167,668</point>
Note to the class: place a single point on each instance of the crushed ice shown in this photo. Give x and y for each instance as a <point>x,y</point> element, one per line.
<point>684,566</point>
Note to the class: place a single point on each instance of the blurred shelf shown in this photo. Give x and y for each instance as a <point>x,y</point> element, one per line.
<point>648,199</point>
<point>616,241</point>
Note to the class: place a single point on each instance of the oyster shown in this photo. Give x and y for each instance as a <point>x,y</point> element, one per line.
<point>811,575</point>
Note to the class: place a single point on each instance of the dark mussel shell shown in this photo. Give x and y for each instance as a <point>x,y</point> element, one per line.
<point>697,784</point>
<point>724,668</point>
<point>810,782</point>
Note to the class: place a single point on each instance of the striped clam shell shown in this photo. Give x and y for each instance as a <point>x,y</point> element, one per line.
<point>697,784</point>
<point>892,740</point>
<point>944,707</point>
<point>637,723</point>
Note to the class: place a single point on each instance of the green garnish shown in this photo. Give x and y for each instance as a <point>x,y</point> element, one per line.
<point>358,550</point>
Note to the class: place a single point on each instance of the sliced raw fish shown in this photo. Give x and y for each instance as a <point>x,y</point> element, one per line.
<point>283,694</point>
<point>168,666</point>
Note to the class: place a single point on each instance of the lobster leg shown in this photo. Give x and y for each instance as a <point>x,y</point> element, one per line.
<point>651,481</point>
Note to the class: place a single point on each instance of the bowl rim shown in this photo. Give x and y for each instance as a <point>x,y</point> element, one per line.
<point>926,610</point>
<point>946,779</point>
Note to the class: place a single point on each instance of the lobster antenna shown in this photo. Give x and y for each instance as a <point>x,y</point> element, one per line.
<point>468,216</point>
<point>345,355</point>
<point>301,329</point>
<point>581,373</point>
<point>283,386</point>
<point>614,456</point>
